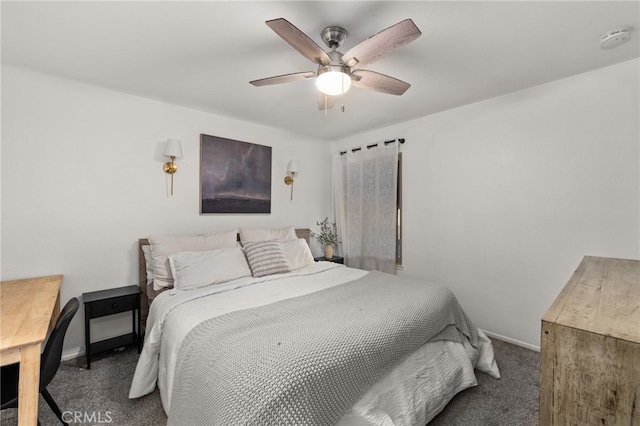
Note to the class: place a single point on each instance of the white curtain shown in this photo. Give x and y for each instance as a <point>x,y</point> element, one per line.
<point>365,192</point>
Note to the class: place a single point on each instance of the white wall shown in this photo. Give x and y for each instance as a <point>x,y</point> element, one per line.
<point>503,198</point>
<point>82,180</point>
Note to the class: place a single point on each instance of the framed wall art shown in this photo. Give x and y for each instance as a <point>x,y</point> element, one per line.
<point>235,176</point>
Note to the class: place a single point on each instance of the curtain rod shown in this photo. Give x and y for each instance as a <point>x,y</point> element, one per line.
<point>401,140</point>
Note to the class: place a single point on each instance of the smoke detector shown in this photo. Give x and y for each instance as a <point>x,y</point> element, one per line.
<point>615,37</point>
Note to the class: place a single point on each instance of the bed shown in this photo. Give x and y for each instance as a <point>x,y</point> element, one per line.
<point>259,333</point>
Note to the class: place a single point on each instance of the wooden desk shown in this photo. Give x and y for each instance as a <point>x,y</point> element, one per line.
<point>29,308</point>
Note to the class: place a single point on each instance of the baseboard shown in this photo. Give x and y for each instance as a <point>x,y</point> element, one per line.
<point>77,352</point>
<point>73,353</point>
<point>513,341</point>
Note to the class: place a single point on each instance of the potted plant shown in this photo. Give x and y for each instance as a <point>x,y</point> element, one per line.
<point>328,237</point>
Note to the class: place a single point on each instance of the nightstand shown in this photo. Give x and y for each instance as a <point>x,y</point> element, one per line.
<point>108,302</point>
<point>334,259</point>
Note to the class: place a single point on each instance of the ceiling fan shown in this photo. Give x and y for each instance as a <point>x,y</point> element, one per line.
<point>336,71</point>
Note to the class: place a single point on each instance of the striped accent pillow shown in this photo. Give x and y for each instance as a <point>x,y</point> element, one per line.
<point>266,258</point>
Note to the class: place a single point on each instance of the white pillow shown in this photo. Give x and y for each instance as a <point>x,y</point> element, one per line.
<point>266,258</point>
<point>249,235</point>
<point>298,253</point>
<point>148,262</point>
<point>193,269</point>
<point>164,245</point>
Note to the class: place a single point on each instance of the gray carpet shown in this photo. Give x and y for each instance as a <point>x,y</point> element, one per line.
<point>99,395</point>
<point>512,400</point>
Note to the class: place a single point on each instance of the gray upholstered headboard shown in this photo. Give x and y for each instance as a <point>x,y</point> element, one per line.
<point>148,293</point>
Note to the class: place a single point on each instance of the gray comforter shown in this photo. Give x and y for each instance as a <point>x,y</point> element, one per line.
<point>308,359</point>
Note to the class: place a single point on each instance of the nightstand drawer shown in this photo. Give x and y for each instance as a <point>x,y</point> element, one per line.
<point>114,305</point>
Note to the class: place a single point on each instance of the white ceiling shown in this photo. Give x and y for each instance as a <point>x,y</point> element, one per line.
<point>202,55</point>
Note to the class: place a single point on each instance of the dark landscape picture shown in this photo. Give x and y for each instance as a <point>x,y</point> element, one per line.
<point>235,176</point>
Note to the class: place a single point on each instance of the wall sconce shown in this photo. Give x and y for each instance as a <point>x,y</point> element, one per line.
<point>173,150</point>
<point>292,169</point>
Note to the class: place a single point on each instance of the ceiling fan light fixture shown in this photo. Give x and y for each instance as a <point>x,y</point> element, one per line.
<point>333,80</point>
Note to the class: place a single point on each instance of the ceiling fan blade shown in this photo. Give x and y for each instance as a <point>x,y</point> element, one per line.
<point>379,82</point>
<point>299,41</point>
<point>325,101</point>
<point>382,43</point>
<point>286,78</point>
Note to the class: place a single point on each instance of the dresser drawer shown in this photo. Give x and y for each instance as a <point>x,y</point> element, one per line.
<point>114,305</point>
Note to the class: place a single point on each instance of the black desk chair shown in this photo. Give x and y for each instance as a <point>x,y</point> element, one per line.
<point>49,363</point>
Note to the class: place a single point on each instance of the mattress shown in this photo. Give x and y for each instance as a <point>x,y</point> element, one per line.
<point>412,393</point>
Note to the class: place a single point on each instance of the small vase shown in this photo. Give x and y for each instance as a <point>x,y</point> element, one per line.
<point>328,252</point>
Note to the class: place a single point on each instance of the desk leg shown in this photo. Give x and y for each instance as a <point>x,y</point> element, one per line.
<point>29,385</point>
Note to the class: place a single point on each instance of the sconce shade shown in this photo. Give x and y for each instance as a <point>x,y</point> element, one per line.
<point>293,167</point>
<point>173,148</point>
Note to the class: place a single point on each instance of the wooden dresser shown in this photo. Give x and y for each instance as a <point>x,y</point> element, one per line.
<point>590,347</point>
